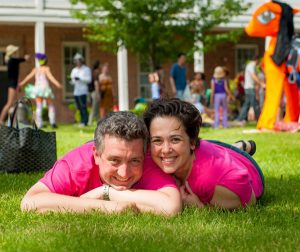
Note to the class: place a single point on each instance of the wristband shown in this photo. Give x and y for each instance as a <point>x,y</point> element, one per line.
<point>106,192</point>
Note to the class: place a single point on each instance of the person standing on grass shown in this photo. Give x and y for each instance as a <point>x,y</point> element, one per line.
<point>81,76</point>
<point>106,89</point>
<point>251,79</point>
<point>156,82</point>
<point>219,94</point>
<point>178,77</point>
<point>110,174</point>
<point>42,89</point>
<point>209,172</point>
<point>95,93</point>
<point>13,76</point>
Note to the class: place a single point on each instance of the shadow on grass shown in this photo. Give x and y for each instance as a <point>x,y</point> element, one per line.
<point>281,190</point>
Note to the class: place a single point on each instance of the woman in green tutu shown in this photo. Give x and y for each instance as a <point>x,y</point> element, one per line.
<point>42,90</point>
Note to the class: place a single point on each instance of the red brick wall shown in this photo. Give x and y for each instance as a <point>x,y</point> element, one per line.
<point>224,55</point>
<point>23,36</point>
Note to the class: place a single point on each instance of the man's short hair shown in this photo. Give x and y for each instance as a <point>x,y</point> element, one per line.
<point>124,125</point>
<point>180,54</point>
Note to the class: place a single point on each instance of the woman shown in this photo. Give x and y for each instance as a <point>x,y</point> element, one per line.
<point>13,75</point>
<point>95,94</point>
<point>209,173</point>
<point>42,89</point>
<point>106,91</point>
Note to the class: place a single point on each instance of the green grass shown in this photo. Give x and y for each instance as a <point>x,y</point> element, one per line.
<point>274,224</point>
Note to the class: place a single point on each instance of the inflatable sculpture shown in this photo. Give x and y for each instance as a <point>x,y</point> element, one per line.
<point>275,19</point>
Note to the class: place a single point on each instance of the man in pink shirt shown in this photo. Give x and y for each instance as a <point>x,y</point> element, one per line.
<point>107,174</point>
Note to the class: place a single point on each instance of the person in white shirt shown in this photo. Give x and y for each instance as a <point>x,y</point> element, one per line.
<point>81,76</point>
<point>250,97</point>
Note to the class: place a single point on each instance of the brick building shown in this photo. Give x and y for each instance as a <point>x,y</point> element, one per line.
<point>46,25</point>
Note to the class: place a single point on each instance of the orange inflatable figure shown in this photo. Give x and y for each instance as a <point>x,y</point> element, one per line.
<point>275,19</point>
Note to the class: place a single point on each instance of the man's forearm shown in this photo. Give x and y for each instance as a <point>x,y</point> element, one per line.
<point>47,201</point>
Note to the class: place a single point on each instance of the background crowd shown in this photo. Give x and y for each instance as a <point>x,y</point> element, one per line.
<point>222,102</point>
<point>219,99</point>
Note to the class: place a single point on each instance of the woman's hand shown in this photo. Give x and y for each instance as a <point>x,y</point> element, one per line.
<point>188,197</point>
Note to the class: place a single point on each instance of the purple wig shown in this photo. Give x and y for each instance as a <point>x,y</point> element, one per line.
<point>41,56</point>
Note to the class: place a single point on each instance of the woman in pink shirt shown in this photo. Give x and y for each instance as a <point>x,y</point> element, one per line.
<point>209,172</point>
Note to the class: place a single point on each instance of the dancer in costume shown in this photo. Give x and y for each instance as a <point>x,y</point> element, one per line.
<point>42,90</point>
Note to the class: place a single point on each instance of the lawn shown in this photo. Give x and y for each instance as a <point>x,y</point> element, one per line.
<point>274,224</point>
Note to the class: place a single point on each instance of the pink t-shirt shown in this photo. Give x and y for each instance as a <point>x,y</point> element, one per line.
<point>217,165</point>
<point>76,173</point>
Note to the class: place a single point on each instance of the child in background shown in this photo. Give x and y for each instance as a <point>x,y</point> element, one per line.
<point>195,98</point>
<point>199,83</point>
<point>219,92</point>
<point>42,90</point>
<point>155,79</point>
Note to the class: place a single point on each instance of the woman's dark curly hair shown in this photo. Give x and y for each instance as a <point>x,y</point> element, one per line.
<point>185,112</point>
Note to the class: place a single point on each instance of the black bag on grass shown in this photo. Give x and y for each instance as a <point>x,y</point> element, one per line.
<point>28,149</point>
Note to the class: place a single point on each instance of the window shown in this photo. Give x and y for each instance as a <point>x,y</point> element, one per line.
<point>144,86</point>
<point>3,78</point>
<point>2,61</point>
<point>69,50</point>
<point>244,53</point>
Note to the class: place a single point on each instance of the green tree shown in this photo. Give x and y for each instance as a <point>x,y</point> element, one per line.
<point>156,29</point>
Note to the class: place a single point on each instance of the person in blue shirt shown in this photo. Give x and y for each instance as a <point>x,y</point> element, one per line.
<point>178,76</point>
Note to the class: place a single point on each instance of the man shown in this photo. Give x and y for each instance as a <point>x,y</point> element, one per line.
<point>250,97</point>
<point>178,76</point>
<point>81,76</point>
<point>107,174</point>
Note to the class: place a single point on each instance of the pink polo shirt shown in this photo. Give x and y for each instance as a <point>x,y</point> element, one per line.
<point>76,173</point>
<point>217,165</point>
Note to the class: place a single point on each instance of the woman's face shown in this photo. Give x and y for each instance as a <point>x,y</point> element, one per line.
<point>105,69</point>
<point>198,76</point>
<point>170,145</point>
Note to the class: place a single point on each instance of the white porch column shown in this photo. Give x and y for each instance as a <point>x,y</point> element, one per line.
<point>39,38</point>
<point>199,58</point>
<point>123,79</point>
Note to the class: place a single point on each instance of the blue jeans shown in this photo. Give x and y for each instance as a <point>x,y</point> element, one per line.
<point>179,94</point>
<point>81,105</point>
<point>250,101</point>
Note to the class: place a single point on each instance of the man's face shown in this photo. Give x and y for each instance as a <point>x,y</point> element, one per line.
<point>77,62</point>
<point>181,60</point>
<point>120,162</point>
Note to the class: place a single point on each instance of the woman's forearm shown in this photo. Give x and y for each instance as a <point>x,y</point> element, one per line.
<point>165,201</point>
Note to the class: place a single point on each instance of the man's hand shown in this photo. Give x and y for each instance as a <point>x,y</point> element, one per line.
<point>188,197</point>
<point>96,193</point>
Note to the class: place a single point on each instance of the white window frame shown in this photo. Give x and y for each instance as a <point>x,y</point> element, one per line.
<point>243,46</point>
<point>147,85</point>
<point>68,96</point>
<point>3,66</point>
